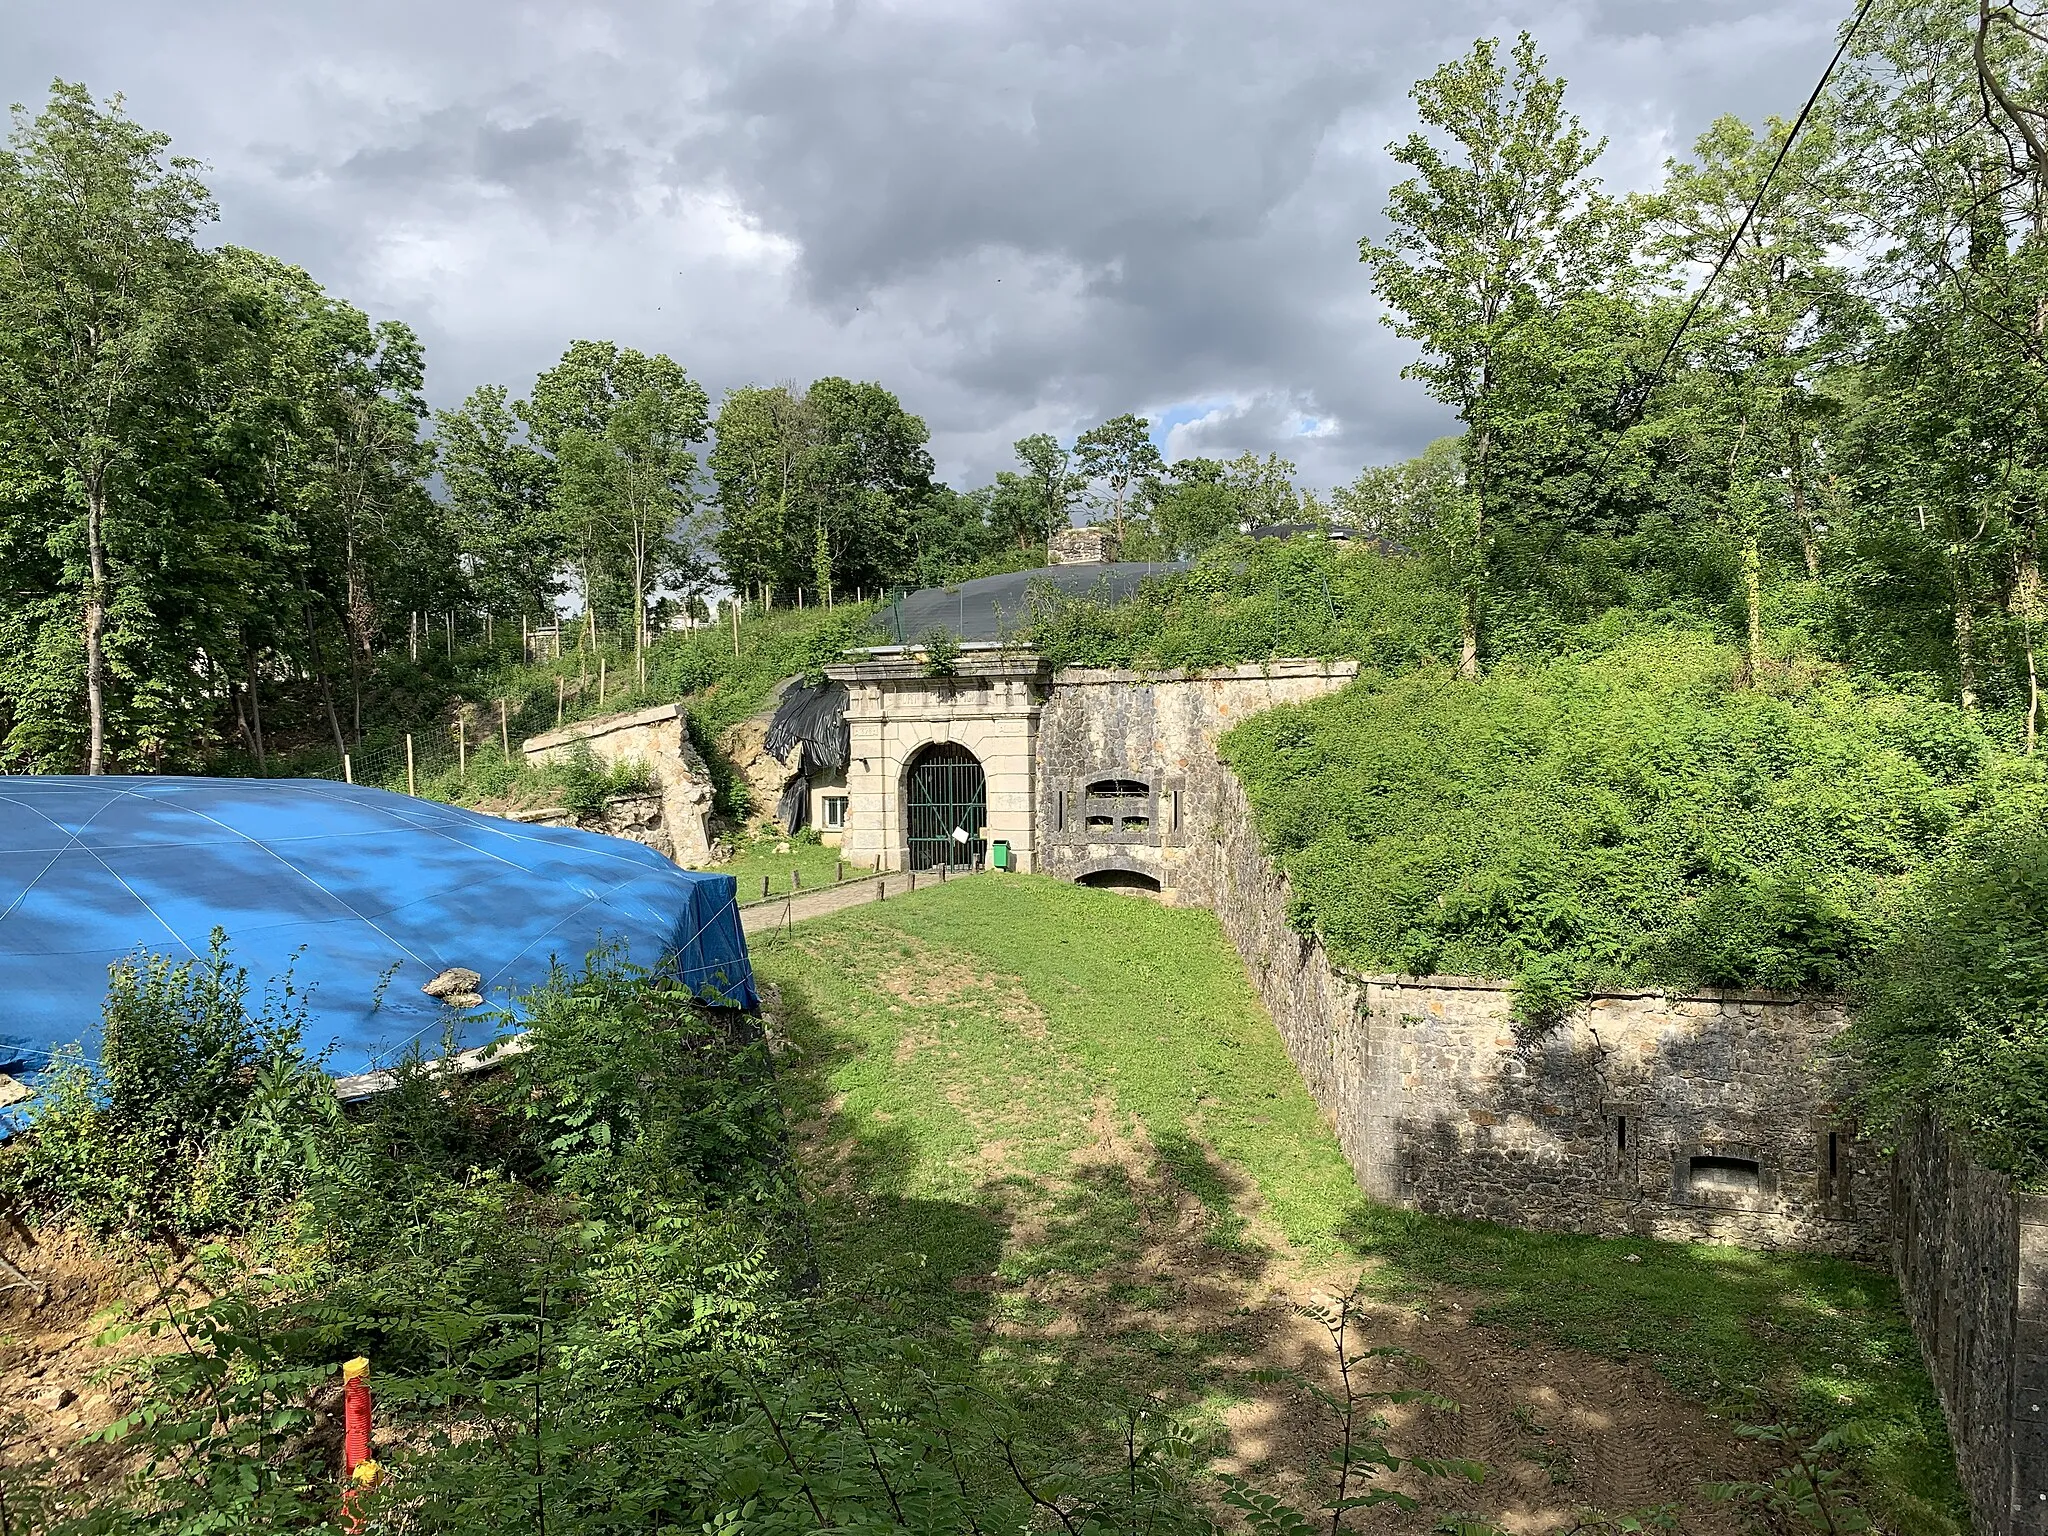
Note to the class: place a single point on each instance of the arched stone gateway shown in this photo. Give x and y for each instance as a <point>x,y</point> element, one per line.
<point>1117,877</point>
<point>945,808</point>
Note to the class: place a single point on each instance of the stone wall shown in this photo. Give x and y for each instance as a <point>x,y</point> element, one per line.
<point>1971,1255</point>
<point>658,739</point>
<point>1702,1118</point>
<point>1153,732</point>
<point>637,818</point>
<point>990,705</point>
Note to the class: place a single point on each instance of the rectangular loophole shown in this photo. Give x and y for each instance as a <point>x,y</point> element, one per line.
<point>1726,1175</point>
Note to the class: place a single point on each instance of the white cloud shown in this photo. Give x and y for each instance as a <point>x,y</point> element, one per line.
<point>1021,215</point>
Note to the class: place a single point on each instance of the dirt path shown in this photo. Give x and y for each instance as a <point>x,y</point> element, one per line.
<point>1116,1271</point>
<point>51,1360</point>
<point>1560,1432</point>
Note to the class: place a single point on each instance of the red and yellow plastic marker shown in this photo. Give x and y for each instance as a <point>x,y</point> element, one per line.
<point>358,1468</point>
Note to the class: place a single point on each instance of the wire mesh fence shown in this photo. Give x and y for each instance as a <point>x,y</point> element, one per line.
<point>542,679</point>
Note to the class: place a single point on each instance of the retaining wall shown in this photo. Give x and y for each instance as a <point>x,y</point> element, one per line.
<point>1703,1118</point>
<point>1971,1255</point>
<point>658,739</point>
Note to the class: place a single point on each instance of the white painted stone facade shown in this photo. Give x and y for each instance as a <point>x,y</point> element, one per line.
<point>989,705</point>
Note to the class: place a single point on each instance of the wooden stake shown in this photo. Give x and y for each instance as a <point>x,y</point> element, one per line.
<point>734,605</point>
<point>764,887</point>
<point>561,699</point>
<point>504,732</point>
<point>410,787</point>
<point>348,769</point>
<point>600,679</point>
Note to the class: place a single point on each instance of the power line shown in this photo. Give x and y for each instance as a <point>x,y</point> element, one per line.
<point>1756,202</point>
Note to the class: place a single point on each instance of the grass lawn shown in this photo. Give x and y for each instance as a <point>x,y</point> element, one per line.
<point>812,864</point>
<point>1059,1119</point>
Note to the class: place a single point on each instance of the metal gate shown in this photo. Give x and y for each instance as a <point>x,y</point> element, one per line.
<point>946,808</point>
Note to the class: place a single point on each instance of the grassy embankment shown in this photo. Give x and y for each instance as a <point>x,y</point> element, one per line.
<point>1062,1115</point>
<point>788,864</point>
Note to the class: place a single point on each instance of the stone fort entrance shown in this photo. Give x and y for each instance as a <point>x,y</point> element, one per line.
<point>945,808</point>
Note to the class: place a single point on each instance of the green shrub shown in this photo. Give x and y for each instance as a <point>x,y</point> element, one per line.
<point>586,1285</point>
<point>1953,1016</point>
<point>1249,599</point>
<point>193,1113</point>
<point>1622,814</point>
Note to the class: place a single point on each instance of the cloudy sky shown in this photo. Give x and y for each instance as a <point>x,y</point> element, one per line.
<point>1021,215</point>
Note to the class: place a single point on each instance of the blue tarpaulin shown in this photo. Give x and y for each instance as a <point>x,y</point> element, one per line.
<point>362,895</point>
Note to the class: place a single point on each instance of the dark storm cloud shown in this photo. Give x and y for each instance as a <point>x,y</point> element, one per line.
<point>1023,216</point>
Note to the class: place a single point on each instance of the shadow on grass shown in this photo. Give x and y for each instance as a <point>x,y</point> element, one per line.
<point>1762,1338</point>
<point>1105,1288</point>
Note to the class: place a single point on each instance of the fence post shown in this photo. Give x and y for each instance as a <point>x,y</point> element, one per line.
<point>600,679</point>
<point>461,749</point>
<point>504,732</point>
<point>796,879</point>
<point>561,699</point>
<point>410,787</point>
<point>764,887</point>
<point>839,873</point>
<point>348,769</point>
<point>734,604</point>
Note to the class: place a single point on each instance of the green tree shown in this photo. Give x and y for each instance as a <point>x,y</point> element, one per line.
<point>1051,485</point>
<point>1262,489</point>
<point>501,504</point>
<point>831,490</point>
<point>105,309</point>
<point>621,425</point>
<point>1748,403</point>
<point>1945,112</point>
<point>1191,506</point>
<point>1120,461</point>
<point>758,461</point>
<point>1417,504</point>
<point>1496,227</point>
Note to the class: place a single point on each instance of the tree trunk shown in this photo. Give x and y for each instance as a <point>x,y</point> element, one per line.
<point>1753,596</point>
<point>1802,515</point>
<point>1475,576</point>
<point>1966,640</point>
<point>639,596</point>
<point>96,623</point>
<point>2026,606</point>
<point>320,671</point>
<point>355,689</point>
<point>255,708</point>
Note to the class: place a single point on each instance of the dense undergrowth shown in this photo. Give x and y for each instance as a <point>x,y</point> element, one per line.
<point>967,1054</point>
<point>1626,813</point>
<point>585,1281</point>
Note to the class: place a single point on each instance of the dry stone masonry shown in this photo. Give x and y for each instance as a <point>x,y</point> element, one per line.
<point>659,739</point>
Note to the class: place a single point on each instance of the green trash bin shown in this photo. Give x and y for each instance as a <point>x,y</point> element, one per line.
<point>999,855</point>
